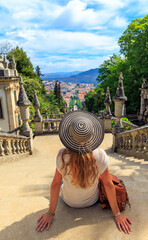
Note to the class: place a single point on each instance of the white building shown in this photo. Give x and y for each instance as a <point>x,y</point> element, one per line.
<point>9,91</point>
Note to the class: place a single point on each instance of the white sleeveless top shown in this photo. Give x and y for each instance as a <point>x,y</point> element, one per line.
<point>75,196</point>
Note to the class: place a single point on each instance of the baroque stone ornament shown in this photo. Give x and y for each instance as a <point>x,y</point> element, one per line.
<point>36,105</point>
<point>144,102</point>
<point>119,100</point>
<point>23,99</point>
<point>120,96</point>
<point>107,103</point>
<point>24,103</point>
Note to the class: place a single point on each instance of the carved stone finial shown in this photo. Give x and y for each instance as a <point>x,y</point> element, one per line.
<point>13,63</point>
<point>121,77</point>
<point>13,60</point>
<point>5,62</point>
<point>5,59</point>
<point>144,84</point>
<point>23,99</point>
<point>36,101</point>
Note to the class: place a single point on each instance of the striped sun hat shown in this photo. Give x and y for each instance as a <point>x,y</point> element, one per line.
<point>81,131</point>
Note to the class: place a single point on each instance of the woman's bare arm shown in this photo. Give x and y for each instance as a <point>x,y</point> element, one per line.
<point>122,221</point>
<point>46,218</point>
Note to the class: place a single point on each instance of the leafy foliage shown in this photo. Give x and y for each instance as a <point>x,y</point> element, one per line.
<point>79,104</point>
<point>134,45</point>
<point>23,63</point>
<point>38,71</point>
<point>94,99</point>
<point>132,62</point>
<point>32,81</point>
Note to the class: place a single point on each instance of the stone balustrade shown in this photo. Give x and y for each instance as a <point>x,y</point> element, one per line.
<point>47,126</point>
<point>130,125</point>
<point>133,142</point>
<point>52,116</point>
<point>11,144</point>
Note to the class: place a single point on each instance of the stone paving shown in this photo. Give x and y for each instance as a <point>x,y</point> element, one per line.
<point>24,196</point>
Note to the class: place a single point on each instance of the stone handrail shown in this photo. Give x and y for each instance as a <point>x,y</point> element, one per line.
<point>47,126</point>
<point>11,144</point>
<point>52,116</point>
<point>15,130</point>
<point>133,142</point>
<point>127,124</point>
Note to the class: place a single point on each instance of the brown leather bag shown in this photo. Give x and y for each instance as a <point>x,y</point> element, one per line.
<point>121,193</point>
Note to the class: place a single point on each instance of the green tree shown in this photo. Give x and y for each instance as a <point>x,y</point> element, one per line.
<point>72,102</point>
<point>56,90</point>
<point>79,104</point>
<point>134,45</point>
<point>94,100</point>
<point>31,84</point>
<point>5,47</point>
<point>38,71</point>
<point>23,63</point>
<point>59,93</point>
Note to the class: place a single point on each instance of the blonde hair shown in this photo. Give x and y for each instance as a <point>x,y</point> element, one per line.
<point>82,168</point>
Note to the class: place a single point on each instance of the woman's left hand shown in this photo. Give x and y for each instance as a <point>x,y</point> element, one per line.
<point>123,223</point>
<point>44,220</point>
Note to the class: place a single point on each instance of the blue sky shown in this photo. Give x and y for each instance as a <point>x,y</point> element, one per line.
<point>65,36</point>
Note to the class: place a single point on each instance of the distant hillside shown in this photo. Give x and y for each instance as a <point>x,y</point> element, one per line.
<point>58,75</point>
<point>75,77</point>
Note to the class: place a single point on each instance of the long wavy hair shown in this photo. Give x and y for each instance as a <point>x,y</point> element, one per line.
<point>81,167</point>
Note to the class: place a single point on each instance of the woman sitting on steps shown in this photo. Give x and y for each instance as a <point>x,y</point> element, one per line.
<point>78,168</point>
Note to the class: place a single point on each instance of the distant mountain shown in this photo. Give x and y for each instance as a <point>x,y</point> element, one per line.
<point>74,77</point>
<point>48,76</point>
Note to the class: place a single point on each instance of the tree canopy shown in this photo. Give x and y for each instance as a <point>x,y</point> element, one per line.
<point>94,99</point>
<point>132,63</point>
<point>32,81</point>
<point>134,45</point>
<point>23,63</point>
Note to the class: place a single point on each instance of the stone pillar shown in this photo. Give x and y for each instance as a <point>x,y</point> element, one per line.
<point>24,103</point>
<point>37,118</point>
<point>10,108</point>
<point>107,117</point>
<point>119,100</point>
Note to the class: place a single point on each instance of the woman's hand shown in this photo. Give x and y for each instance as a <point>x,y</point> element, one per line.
<point>123,223</point>
<point>44,220</point>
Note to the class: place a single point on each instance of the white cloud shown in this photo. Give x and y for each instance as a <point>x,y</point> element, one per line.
<point>143,6</point>
<point>50,15</point>
<point>73,64</point>
<point>119,22</point>
<point>64,41</point>
<point>49,28</point>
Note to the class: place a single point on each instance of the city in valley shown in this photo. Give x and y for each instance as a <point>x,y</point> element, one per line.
<point>70,89</point>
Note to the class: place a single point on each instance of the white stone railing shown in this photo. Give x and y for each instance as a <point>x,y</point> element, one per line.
<point>11,144</point>
<point>133,142</point>
<point>130,125</point>
<point>47,126</point>
<point>52,116</point>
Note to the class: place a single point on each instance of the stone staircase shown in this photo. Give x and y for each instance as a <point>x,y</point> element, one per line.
<point>24,196</point>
